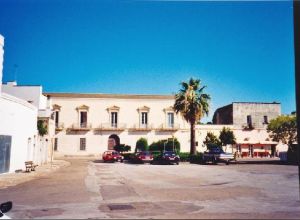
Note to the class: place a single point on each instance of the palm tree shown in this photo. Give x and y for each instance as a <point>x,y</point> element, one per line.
<point>193,104</point>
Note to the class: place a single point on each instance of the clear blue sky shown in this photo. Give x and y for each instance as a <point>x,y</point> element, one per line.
<point>242,51</point>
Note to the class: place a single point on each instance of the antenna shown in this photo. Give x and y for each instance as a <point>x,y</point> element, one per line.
<point>15,71</point>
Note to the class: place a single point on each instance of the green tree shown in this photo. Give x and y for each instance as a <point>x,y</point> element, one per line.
<point>42,128</point>
<point>211,140</point>
<point>227,137</point>
<point>193,104</point>
<point>284,129</point>
<point>141,145</point>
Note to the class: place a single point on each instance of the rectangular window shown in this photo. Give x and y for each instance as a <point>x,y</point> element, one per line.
<point>82,143</point>
<point>55,144</point>
<point>83,119</point>
<point>249,120</point>
<point>171,119</point>
<point>56,118</point>
<point>266,120</point>
<point>144,118</point>
<point>114,119</point>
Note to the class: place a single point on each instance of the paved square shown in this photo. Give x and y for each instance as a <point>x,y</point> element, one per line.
<point>89,189</point>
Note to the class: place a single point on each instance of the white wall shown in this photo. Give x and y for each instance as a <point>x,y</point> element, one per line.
<point>28,93</point>
<point>18,119</point>
<point>1,59</point>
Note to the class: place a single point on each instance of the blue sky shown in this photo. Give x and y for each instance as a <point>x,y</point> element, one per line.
<point>242,51</point>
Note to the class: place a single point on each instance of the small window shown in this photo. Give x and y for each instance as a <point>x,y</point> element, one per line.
<point>55,144</point>
<point>249,120</point>
<point>82,144</point>
<point>56,118</point>
<point>171,119</point>
<point>144,118</point>
<point>83,119</point>
<point>266,120</point>
<point>114,119</point>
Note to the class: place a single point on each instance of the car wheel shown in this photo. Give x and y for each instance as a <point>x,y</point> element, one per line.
<point>227,162</point>
<point>122,161</point>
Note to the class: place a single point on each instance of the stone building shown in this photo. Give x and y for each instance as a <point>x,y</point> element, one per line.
<point>247,114</point>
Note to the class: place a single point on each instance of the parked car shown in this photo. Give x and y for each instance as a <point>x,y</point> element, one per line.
<point>168,157</point>
<point>112,156</point>
<point>4,208</point>
<point>216,154</point>
<point>142,157</point>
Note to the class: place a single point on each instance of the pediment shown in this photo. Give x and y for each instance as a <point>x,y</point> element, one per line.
<point>56,107</point>
<point>83,107</point>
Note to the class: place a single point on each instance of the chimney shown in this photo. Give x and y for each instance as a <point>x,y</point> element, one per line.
<point>1,59</point>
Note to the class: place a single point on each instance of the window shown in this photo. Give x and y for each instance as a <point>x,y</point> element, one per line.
<point>249,120</point>
<point>144,118</point>
<point>83,119</point>
<point>55,144</point>
<point>171,119</point>
<point>82,143</point>
<point>114,119</point>
<point>266,120</point>
<point>56,118</point>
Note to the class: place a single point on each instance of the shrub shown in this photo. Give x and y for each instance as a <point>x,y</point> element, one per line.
<point>141,145</point>
<point>42,127</point>
<point>196,158</point>
<point>184,156</point>
<point>122,148</point>
<point>159,145</point>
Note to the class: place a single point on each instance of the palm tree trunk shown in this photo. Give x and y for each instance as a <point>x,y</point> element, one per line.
<point>193,144</point>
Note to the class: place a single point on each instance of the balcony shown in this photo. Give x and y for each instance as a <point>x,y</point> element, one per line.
<point>80,127</point>
<point>111,127</point>
<point>168,127</point>
<point>59,126</point>
<point>141,127</point>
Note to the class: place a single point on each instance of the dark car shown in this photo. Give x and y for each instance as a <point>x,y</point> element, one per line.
<point>142,157</point>
<point>112,156</point>
<point>216,154</point>
<point>168,157</point>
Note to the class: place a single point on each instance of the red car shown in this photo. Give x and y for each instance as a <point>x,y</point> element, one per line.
<point>142,157</point>
<point>112,156</point>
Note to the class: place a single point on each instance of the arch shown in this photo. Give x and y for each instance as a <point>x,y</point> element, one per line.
<point>113,140</point>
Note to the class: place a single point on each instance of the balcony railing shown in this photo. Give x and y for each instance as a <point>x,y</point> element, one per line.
<point>168,127</point>
<point>81,126</point>
<point>111,127</point>
<point>59,126</point>
<point>141,127</point>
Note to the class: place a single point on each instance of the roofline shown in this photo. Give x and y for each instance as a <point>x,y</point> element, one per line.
<point>101,95</point>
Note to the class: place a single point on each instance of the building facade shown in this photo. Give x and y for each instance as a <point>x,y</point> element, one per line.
<point>92,123</point>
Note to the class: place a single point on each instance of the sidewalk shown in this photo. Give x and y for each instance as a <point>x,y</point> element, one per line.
<point>12,179</point>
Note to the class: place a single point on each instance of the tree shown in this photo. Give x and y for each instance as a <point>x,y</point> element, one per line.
<point>141,145</point>
<point>211,140</point>
<point>193,104</point>
<point>284,129</point>
<point>227,137</point>
<point>42,128</point>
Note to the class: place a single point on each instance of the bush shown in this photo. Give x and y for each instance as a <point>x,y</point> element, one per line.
<point>141,145</point>
<point>122,148</point>
<point>184,156</point>
<point>159,145</point>
<point>196,158</point>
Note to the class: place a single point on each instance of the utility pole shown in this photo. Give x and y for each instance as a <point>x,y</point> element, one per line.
<point>296,7</point>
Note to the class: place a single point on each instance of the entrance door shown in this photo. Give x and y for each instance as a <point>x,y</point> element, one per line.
<point>273,147</point>
<point>5,147</point>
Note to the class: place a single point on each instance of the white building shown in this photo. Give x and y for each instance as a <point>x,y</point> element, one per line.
<point>19,140</point>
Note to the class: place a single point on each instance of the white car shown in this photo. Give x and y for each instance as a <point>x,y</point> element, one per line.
<point>4,208</point>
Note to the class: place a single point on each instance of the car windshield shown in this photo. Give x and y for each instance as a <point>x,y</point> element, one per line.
<point>169,153</point>
<point>216,150</point>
